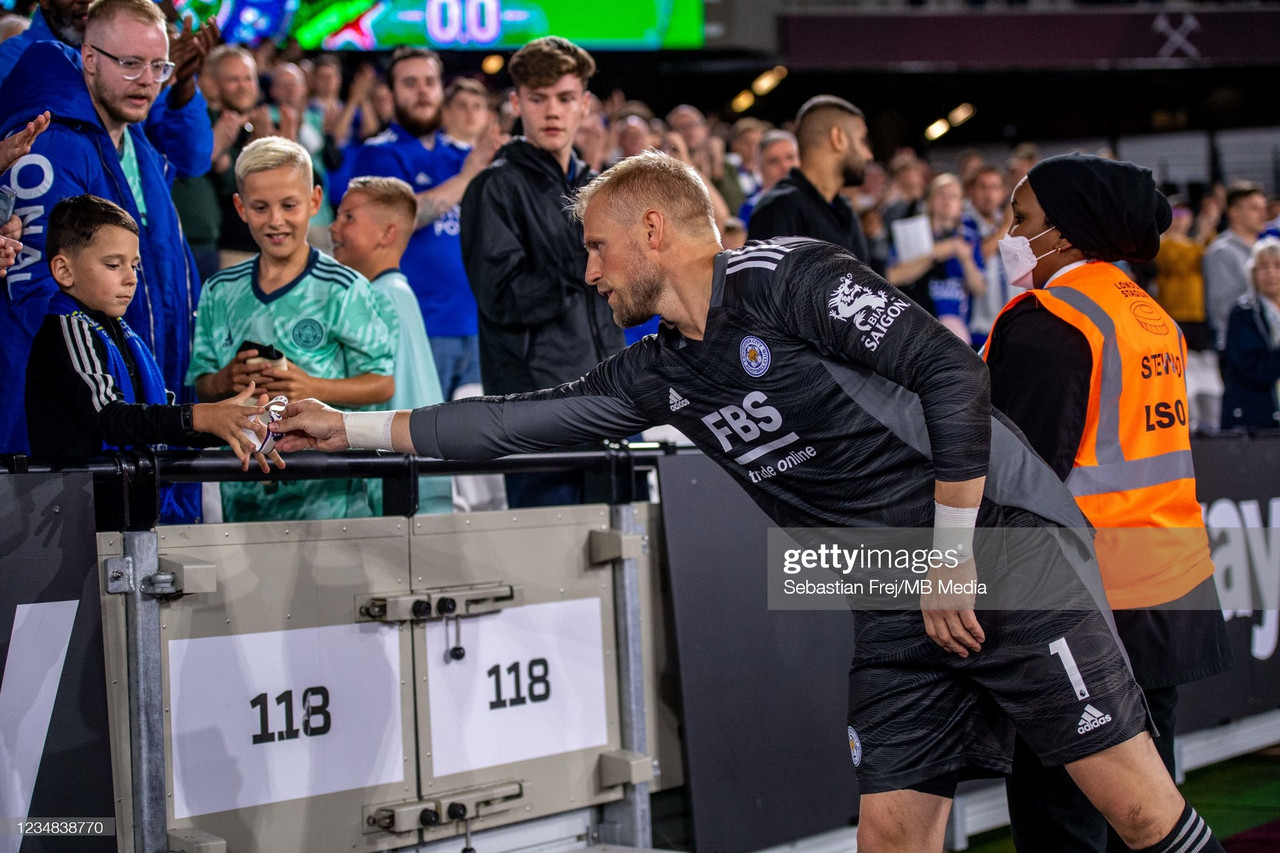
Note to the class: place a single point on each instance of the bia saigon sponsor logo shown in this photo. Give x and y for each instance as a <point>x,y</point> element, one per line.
<point>870,312</point>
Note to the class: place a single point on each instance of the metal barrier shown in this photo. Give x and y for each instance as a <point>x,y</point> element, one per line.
<point>374,683</point>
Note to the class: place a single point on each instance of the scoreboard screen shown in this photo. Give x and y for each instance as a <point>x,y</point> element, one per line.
<point>458,24</point>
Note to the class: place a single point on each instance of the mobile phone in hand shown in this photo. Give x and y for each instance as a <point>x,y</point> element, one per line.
<point>8,198</point>
<point>266,352</point>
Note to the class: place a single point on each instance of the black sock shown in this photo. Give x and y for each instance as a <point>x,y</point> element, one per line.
<point>1189,835</point>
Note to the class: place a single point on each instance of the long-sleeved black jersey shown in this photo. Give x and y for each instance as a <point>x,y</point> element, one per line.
<point>831,398</point>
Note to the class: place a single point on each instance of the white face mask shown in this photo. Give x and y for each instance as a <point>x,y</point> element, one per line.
<point>1019,260</point>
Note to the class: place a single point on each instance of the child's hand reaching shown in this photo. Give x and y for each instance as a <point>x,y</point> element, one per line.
<point>229,420</point>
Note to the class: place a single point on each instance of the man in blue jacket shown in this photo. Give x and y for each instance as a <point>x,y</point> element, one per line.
<point>178,124</point>
<point>97,145</point>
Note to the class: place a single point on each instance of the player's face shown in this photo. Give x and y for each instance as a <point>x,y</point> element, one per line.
<point>618,269</point>
<point>277,205</point>
<point>466,115</point>
<point>237,84</point>
<point>124,101</point>
<point>551,115</point>
<point>858,154</point>
<point>777,160</point>
<point>356,229</point>
<point>418,94</point>
<point>104,274</point>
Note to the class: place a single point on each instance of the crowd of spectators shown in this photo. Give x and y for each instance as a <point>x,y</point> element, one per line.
<point>154,115</point>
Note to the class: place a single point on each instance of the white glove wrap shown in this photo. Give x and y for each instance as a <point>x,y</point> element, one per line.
<point>368,430</point>
<point>953,529</point>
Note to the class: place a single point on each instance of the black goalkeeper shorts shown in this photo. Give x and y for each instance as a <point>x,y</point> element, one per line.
<point>918,712</point>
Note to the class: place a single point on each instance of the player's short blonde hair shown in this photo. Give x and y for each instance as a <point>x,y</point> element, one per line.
<point>392,194</point>
<point>652,180</point>
<point>271,152</point>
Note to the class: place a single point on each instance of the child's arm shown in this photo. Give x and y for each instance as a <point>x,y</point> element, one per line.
<point>78,370</point>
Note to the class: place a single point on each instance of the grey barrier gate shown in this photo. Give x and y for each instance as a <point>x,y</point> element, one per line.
<point>192,614</point>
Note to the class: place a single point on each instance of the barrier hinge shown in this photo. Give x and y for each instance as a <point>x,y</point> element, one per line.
<point>119,575</point>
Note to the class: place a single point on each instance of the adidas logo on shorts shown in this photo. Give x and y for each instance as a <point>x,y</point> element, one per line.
<point>1092,719</point>
<point>677,402</point>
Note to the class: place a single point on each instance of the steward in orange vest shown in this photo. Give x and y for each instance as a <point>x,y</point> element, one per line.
<point>1091,369</point>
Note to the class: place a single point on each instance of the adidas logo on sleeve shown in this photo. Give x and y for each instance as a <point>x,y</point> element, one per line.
<point>1092,719</point>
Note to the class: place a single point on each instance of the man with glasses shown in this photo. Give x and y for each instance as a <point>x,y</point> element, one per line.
<point>178,124</point>
<point>96,144</point>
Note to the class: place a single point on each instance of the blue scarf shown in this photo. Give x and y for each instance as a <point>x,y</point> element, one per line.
<point>179,502</point>
<point>148,371</point>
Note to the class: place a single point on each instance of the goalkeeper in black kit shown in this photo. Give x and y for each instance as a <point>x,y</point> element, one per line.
<point>836,402</point>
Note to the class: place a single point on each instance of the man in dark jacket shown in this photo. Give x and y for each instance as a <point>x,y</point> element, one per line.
<point>540,325</point>
<point>832,135</point>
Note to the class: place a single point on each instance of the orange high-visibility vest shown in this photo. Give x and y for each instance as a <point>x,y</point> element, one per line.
<point>1133,477</point>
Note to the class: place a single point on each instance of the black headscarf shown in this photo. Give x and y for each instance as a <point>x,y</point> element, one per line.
<point>1108,209</point>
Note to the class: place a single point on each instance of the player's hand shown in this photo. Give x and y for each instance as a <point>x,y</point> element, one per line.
<point>18,145</point>
<point>949,619</point>
<point>291,381</point>
<point>229,419</point>
<point>310,425</point>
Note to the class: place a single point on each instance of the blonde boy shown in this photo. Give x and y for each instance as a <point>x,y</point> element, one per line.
<point>320,316</point>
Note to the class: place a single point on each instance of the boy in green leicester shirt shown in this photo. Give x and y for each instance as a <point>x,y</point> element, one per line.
<point>321,316</point>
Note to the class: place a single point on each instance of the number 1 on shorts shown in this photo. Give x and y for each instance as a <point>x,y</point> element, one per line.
<point>1059,647</point>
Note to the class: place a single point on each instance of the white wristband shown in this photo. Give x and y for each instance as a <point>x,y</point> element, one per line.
<point>953,529</point>
<point>368,430</point>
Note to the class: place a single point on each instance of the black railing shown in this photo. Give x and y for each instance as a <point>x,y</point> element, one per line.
<point>126,485</point>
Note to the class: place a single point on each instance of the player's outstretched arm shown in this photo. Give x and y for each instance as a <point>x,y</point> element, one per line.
<point>311,425</point>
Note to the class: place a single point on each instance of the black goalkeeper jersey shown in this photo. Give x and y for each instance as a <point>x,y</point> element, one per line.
<point>829,396</point>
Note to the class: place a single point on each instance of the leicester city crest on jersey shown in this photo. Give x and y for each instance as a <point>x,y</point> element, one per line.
<point>308,333</point>
<point>755,357</point>
<point>855,747</point>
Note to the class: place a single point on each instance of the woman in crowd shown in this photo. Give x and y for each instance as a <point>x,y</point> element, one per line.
<point>1251,359</point>
<point>942,280</point>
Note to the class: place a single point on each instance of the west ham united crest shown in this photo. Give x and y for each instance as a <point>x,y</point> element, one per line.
<point>754,355</point>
